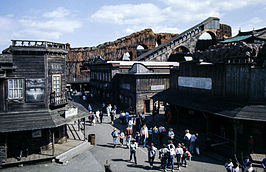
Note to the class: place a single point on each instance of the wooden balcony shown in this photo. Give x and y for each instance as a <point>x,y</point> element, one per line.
<point>57,100</point>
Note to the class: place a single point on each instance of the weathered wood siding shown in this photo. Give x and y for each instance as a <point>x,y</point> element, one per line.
<point>56,65</point>
<point>28,66</point>
<point>214,71</point>
<point>258,84</point>
<point>245,82</point>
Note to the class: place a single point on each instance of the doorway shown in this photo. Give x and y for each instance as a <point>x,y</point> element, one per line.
<point>147,108</point>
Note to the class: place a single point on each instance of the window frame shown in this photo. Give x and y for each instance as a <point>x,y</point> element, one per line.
<point>22,88</point>
<point>60,84</point>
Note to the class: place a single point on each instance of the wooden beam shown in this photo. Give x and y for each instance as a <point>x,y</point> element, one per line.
<point>53,141</point>
<point>84,130</point>
<point>207,122</point>
<point>235,135</point>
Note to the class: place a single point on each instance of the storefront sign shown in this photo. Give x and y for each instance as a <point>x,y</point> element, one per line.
<point>71,112</point>
<point>157,87</point>
<point>195,82</point>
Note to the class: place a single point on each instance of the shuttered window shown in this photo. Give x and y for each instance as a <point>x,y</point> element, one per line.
<point>15,88</point>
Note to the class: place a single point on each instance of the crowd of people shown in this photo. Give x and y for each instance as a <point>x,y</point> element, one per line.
<point>137,134</point>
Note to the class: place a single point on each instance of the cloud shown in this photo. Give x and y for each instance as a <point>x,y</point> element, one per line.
<point>60,12</point>
<point>130,14</point>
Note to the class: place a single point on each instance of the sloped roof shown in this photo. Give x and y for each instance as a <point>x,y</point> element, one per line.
<point>221,106</point>
<point>139,68</point>
<point>241,36</point>
<point>35,120</point>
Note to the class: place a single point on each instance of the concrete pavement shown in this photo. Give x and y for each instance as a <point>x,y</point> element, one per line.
<point>94,159</point>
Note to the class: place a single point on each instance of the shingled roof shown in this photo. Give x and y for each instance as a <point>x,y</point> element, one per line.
<point>35,120</point>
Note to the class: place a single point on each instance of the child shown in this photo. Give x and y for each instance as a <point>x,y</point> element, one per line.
<point>121,137</point>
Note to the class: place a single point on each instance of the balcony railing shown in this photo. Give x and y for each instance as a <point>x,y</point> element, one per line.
<point>57,100</point>
<point>38,44</point>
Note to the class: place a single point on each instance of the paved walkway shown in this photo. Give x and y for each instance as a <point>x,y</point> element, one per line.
<point>94,159</point>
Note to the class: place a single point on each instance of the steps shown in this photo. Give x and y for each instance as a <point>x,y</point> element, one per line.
<point>73,133</point>
<point>64,157</point>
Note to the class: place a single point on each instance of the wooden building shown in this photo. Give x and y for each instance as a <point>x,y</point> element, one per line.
<point>34,111</point>
<point>129,83</point>
<point>226,101</point>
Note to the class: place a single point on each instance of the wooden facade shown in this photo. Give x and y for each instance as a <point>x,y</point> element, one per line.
<point>222,100</point>
<point>32,92</point>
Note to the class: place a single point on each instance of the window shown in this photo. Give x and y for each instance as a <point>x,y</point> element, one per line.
<point>56,84</point>
<point>15,88</point>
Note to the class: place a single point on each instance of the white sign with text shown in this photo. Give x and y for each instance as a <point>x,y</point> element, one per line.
<point>195,82</point>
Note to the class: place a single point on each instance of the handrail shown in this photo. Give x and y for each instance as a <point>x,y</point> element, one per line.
<point>175,38</point>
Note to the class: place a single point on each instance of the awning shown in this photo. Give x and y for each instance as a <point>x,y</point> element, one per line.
<point>36,120</point>
<point>226,107</point>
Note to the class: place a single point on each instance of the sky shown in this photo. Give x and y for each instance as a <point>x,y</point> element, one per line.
<point>86,23</point>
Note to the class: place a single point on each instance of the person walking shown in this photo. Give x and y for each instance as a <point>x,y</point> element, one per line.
<point>164,156</point>
<point>151,154</point>
<point>179,152</point>
<point>133,151</point>
<point>114,135</point>
<point>101,116</point>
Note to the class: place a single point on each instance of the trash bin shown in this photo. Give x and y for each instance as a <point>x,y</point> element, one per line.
<point>91,138</point>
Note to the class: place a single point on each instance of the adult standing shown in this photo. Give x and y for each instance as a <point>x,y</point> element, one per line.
<point>251,144</point>
<point>171,134</point>
<point>128,133</point>
<point>179,152</point>
<point>133,151</point>
<point>101,116</point>
<point>151,154</point>
<point>108,109</point>
<point>114,135</point>
<point>184,156</point>
<point>97,115</point>
<point>144,134</point>
<point>112,115</point>
<point>89,108</point>
<point>172,156</point>
<point>115,109</point>
<point>192,143</point>
<point>197,144</point>
<point>187,138</point>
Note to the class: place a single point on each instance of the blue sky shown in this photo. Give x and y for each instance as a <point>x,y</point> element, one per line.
<point>84,23</point>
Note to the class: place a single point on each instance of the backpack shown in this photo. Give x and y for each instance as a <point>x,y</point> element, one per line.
<point>114,133</point>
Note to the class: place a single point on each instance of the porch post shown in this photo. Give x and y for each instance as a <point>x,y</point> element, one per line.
<point>53,142</point>
<point>207,122</point>
<point>6,143</point>
<point>235,135</point>
<point>78,125</point>
<point>84,130</point>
